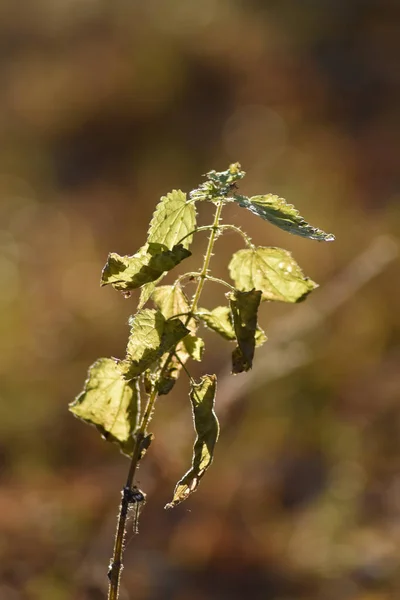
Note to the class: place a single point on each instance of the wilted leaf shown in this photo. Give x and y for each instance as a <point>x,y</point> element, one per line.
<point>110,403</point>
<point>147,440</point>
<point>271,270</point>
<point>147,265</point>
<point>220,320</point>
<point>244,308</point>
<point>151,336</point>
<point>202,396</point>
<point>285,216</point>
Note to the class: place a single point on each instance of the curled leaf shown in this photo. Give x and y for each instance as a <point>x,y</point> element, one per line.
<point>220,320</point>
<point>271,270</point>
<point>202,396</point>
<point>244,307</point>
<point>285,216</point>
<point>110,403</point>
<point>147,265</point>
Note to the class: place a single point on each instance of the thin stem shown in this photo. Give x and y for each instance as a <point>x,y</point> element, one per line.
<point>114,573</point>
<point>202,228</point>
<point>211,241</point>
<point>184,367</point>
<point>244,235</point>
<point>221,281</point>
<point>191,274</point>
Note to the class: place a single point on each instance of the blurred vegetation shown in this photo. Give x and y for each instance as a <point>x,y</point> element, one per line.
<point>103,108</point>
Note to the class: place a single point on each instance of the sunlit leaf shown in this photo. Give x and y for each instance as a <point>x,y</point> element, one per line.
<point>194,346</point>
<point>218,183</point>
<point>171,300</point>
<point>173,218</point>
<point>190,347</point>
<point>285,216</point>
<point>220,320</point>
<point>150,337</point>
<point>202,396</point>
<point>271,270</point>
<point>110,403</point>
<point>131,272</point>
<point>244,308</point>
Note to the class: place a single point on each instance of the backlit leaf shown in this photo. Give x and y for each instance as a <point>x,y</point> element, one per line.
<point>202,396</point>
<point>150,337</point>
<point>220,320</point>
<point>190,347</point>
<point>244,308</point>
<point>171,300</point>
<point>110,403</point>
<point>285,216</point>
<point>271,270</point>
<point>218,183</point>
<point>173,218</point>
<point>147,265</point>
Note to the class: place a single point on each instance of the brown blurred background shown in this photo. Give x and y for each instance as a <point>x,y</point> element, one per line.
<point>105,106</point>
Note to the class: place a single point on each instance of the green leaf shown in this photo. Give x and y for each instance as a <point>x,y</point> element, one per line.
<point>220,320</point>
<point>147,291</point>
<point>171,300</point>
<point>271,270</point>
<point>285,216</point>
<point>151,336</point>
<point>202,396</point>
<point>110,403</point>
<point>151,261</point>
<point>218,184</point>
<point>173,218</point>
<point>244,308</point>
<point>190,347</point>
<point>194,346</point>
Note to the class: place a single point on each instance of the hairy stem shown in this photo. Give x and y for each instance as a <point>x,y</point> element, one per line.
<point>207,257</point>
<point>114,573</point>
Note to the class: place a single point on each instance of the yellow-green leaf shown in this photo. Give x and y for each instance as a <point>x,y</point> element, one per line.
<point>171,300</point>
<point>220,320</point>
<point>173,219</point>
<point>150,337</point>
<point>244,308</point>
<point>110,403</point>
<point>285,216</point>
<point>190,347</point>
<point>271,270</point>
<point>147,265</point>
<point>202,396</point>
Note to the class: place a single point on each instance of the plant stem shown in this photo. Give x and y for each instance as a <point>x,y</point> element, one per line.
<point>114,573</point>
<point>207,258</point>
<point>244,235</point>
